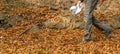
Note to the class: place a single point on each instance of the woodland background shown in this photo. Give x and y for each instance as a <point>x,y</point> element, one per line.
<point>48,27</point>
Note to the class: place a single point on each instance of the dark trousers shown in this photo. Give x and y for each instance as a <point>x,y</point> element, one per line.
<point>90,19</point>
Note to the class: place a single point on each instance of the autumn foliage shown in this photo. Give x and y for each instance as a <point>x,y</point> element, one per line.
<point>23,29</point>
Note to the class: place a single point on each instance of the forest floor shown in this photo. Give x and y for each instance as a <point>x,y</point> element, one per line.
<point>19,38</point>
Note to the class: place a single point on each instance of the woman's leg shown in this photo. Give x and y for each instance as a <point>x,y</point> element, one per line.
<point>102,26</point>
<point>89,7</point>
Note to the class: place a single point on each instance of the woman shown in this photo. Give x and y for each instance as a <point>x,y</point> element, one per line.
<point>90,19</point>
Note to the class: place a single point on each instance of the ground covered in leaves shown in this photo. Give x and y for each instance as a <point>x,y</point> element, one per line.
<point>24,33</point>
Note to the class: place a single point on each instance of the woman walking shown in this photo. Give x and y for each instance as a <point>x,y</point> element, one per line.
<point>90,20</point>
